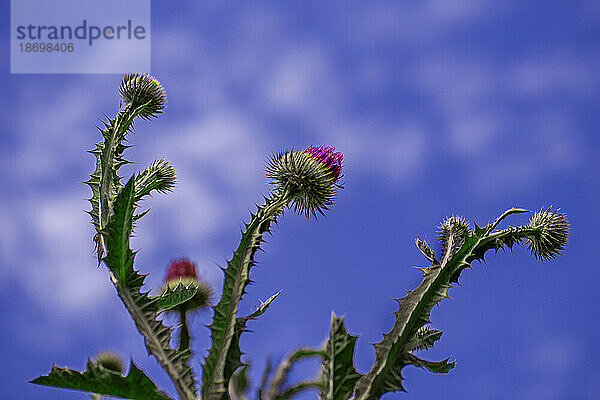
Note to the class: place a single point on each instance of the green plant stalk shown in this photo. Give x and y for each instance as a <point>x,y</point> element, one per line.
<point>216,372</point>
<point>264,379</point>
<point>233,361</point>
<point>154,339</point>
<point>142,308</point>
<point>184,338</point>
<point>136,385</point>
<point>393,351</point>
<point>276,391</point>
<point>184,333</point>
<point>104,183</point>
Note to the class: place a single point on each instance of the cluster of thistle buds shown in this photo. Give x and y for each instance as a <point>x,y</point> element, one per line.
<point>307,181</point>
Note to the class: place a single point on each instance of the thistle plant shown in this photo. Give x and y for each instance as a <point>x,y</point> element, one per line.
<point>303,181</point>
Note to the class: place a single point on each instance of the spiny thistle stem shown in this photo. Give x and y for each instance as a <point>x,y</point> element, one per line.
<point>237,277</point>
<point>265,377</point>
<point>184,332</point>
<point>276,390</point>
<point>142,96</point>
<point>546,234</point>
<point>307,180</point>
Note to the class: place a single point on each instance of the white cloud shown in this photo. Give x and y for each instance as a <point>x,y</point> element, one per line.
<point>299,83</point>
<point>557,138</point>
<point>427,21</point>
<point>59,268</point>
<point>508,147</point>
<point>50,255</point>
<point>554,355</point>
<point>188,214</point>
<point>472,135</point>
<point>550,364</point>
<point>387,151</point>
<point>48,140</point>
<point>555,75</point>
<point>456,11</point>
<point>303,81</point>
<point>470,94</point>
<point>457,85</point>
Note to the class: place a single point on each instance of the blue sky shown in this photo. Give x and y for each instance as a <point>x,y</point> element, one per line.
<point>440,107</point>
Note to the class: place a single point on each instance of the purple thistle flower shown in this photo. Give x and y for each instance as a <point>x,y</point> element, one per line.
<point>331,159</point>
<point>309,177</point>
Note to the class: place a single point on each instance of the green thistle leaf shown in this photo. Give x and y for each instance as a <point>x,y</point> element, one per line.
<point>427,251</point>
<point>97,379</point>
<point>119,257</point>
<point>425,337</point>
<point>159,176</point>
<point>438,367</point>
<point>143,309</point>
<point>238,384</point>
<point>338,372</point>
<point>173,297</point>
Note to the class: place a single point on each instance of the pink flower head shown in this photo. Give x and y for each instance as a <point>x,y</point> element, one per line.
<point>182,268</point>
<point>331,159</point>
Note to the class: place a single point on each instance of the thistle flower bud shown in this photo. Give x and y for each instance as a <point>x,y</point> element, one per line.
<point>142,90</point>
<point>159,176</point>
<point>550,233</point>
<point>310,177</point>
<point>110,360</point>
<point>457,228</point>
<point>183,272</point>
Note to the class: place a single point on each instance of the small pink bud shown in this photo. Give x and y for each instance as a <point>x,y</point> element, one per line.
<point>182,268</point>
<point>183,272</point>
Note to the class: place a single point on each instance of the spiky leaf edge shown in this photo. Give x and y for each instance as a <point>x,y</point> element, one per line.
<point>276,390</point>
<point>105,183</point>
<point>338,373</point>
<point>172,297</point>
<point>143,308</point>
<point>392,353</point>
<point>215,371</point>
<point>234,356</point>
<point>104,180</point>
<point>97,379</point>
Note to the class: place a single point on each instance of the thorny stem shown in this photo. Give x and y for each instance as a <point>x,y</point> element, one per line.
<point>184,332</point>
